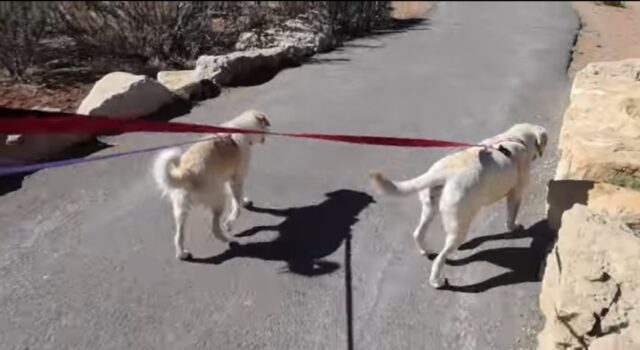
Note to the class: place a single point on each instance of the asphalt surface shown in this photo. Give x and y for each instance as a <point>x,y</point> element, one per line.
<point>86,255</point>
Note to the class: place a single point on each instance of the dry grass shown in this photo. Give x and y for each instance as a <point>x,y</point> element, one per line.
<point>615,3</point>
<point>625,180</point>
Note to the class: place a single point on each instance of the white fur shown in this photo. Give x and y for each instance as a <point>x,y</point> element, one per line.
<point>210,173</point>
<point>166,158</point>
<point>459,185</point>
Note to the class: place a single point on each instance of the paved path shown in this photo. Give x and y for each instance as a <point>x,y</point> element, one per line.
<point>86,258</point>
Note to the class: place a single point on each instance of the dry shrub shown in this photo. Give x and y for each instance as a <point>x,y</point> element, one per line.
<point>356,18</point>
<point>163,33</point>
<point>347,18</point>
<point>157,35</point>
<point>22,26</point>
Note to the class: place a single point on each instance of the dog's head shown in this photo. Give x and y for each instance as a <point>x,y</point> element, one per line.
<point>534,136</point>
<point>263,124</point>
<point>254,120</point>
<point>541,139</point>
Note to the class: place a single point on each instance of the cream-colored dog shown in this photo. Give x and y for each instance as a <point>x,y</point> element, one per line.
<point>460,184</point>
<point>209,173</point>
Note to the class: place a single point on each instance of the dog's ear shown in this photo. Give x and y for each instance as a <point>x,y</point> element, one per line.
<point>263,120</point>
<point>541,141</point>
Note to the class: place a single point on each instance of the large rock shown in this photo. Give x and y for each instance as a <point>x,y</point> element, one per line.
<point>125,95</point>
<point>600,135</point>
<point>34,147</point>
<point>187,85</point>
<point>608,199</point>
<point>591,288</point>
<point>264,52</point>
<point>237,67</point>
<point>304,36</point>
<point>625,341</point>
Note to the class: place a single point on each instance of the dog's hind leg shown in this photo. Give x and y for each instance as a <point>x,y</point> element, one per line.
<point>429,200</point>
<point>513,206</point>
<point>456,227</point>
<point>180,205</point>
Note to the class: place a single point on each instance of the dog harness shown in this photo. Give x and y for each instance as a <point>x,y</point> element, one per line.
<point>496,144</point>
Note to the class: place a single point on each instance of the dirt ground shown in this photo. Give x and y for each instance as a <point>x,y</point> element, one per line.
<point>410,9</point>
<point>608,33</point>
<point>66,98</point>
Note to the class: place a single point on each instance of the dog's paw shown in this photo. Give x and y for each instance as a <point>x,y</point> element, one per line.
<point>438,283</point>
<point>424,252</point>
<point>227,225</point>
<point>224,238</point>
<point>184,255</point>
<point>515,228</point>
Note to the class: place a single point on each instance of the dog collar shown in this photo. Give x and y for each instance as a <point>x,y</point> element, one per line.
<point>504,151</point>
<point>496,143</point>
<point>226,139</point>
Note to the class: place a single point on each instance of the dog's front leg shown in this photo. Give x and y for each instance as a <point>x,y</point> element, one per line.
<point>239,180</point>
<point>514,198</point>
<point>236,188</point>
<point>513,206</point>
<point>215,226</point>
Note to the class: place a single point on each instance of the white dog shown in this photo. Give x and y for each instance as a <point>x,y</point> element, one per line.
<point>209,173</point>
<point>460,184</point>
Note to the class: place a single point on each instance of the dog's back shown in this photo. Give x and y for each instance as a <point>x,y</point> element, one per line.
<point>217,158</point>
<point>480,175</point>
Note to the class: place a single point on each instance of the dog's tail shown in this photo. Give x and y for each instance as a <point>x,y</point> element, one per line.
<point>402,188</point>
<point>164,168</point>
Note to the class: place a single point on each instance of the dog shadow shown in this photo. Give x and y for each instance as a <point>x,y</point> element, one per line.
<point>523,263</point>
<point>306,236</point>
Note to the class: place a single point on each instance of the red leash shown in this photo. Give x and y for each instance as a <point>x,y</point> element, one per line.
<point>14,121</point>
<point>65,123</point>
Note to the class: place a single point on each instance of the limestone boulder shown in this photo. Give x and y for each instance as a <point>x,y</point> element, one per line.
<point>261,53</point>
<point>628,340</point>
<point>34,147</point>
<point>600,135</point>
<point>305,35</point>
<point>214,68</point>
<point>187,85</point>
<point>608,74</point>
<point>591,291</point>
<point>125,95</point>
<point>239,67</point>
<point>611,200</point>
